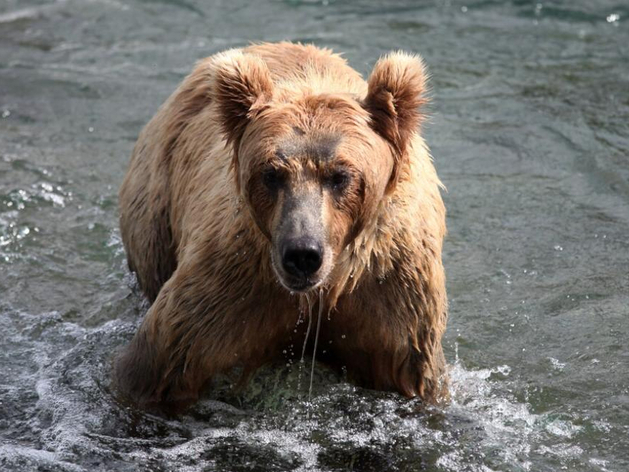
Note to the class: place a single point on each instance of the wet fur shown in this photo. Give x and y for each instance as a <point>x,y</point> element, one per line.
<point>202,254</point>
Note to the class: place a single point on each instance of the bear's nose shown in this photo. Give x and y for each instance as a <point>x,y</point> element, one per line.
<point>302,257</point>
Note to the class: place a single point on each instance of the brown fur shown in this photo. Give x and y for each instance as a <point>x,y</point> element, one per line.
<point>199,226</point>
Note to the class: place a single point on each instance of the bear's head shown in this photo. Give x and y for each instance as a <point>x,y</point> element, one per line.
<point>314,167</point>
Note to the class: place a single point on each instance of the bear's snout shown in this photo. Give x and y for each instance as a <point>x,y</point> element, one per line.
<point>302,257</point>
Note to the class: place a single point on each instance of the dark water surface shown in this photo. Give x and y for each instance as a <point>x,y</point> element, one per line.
<point>530,132</point>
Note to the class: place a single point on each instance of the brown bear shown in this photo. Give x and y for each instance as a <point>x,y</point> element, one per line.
<point>275,178</point>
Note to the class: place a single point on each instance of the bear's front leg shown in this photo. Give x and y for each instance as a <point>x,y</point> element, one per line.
<point>388,336</point>
<point>400,362</point>
<point>197,327</point>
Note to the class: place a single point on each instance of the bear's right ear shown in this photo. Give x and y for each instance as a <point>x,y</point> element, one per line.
<point>243,87</point>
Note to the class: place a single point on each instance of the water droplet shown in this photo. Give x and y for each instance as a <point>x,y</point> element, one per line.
<point>538,8</point>
<point>556,364</point>
<point>613,18</point>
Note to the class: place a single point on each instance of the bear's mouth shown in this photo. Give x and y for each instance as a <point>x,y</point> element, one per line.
<point>299,285</point>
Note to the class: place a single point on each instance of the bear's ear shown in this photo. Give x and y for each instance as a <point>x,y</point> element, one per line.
<point>243,87</point>
<point>395,95</point>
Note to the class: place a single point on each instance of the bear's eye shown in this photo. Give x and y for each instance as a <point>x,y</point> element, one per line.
<point>339,180</point>
<point>272,179</point>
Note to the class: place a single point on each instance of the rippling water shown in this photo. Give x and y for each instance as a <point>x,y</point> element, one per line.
<point>530,132</point>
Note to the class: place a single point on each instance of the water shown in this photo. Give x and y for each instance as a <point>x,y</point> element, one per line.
<point>529,128</point>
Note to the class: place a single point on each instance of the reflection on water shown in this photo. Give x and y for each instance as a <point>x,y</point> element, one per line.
<point>530,134</point>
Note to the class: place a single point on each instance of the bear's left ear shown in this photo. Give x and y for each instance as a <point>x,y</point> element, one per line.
<point>243,86</point>
<point>396,92</point>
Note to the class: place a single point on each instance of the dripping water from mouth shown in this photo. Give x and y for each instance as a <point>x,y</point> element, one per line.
<point>314,351</point>
<point>303,349</point>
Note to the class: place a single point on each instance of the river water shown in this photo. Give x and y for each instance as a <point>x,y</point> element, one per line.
<point>530,133</point>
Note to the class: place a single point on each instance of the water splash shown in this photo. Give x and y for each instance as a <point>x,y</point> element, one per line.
<point>73,414</point>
